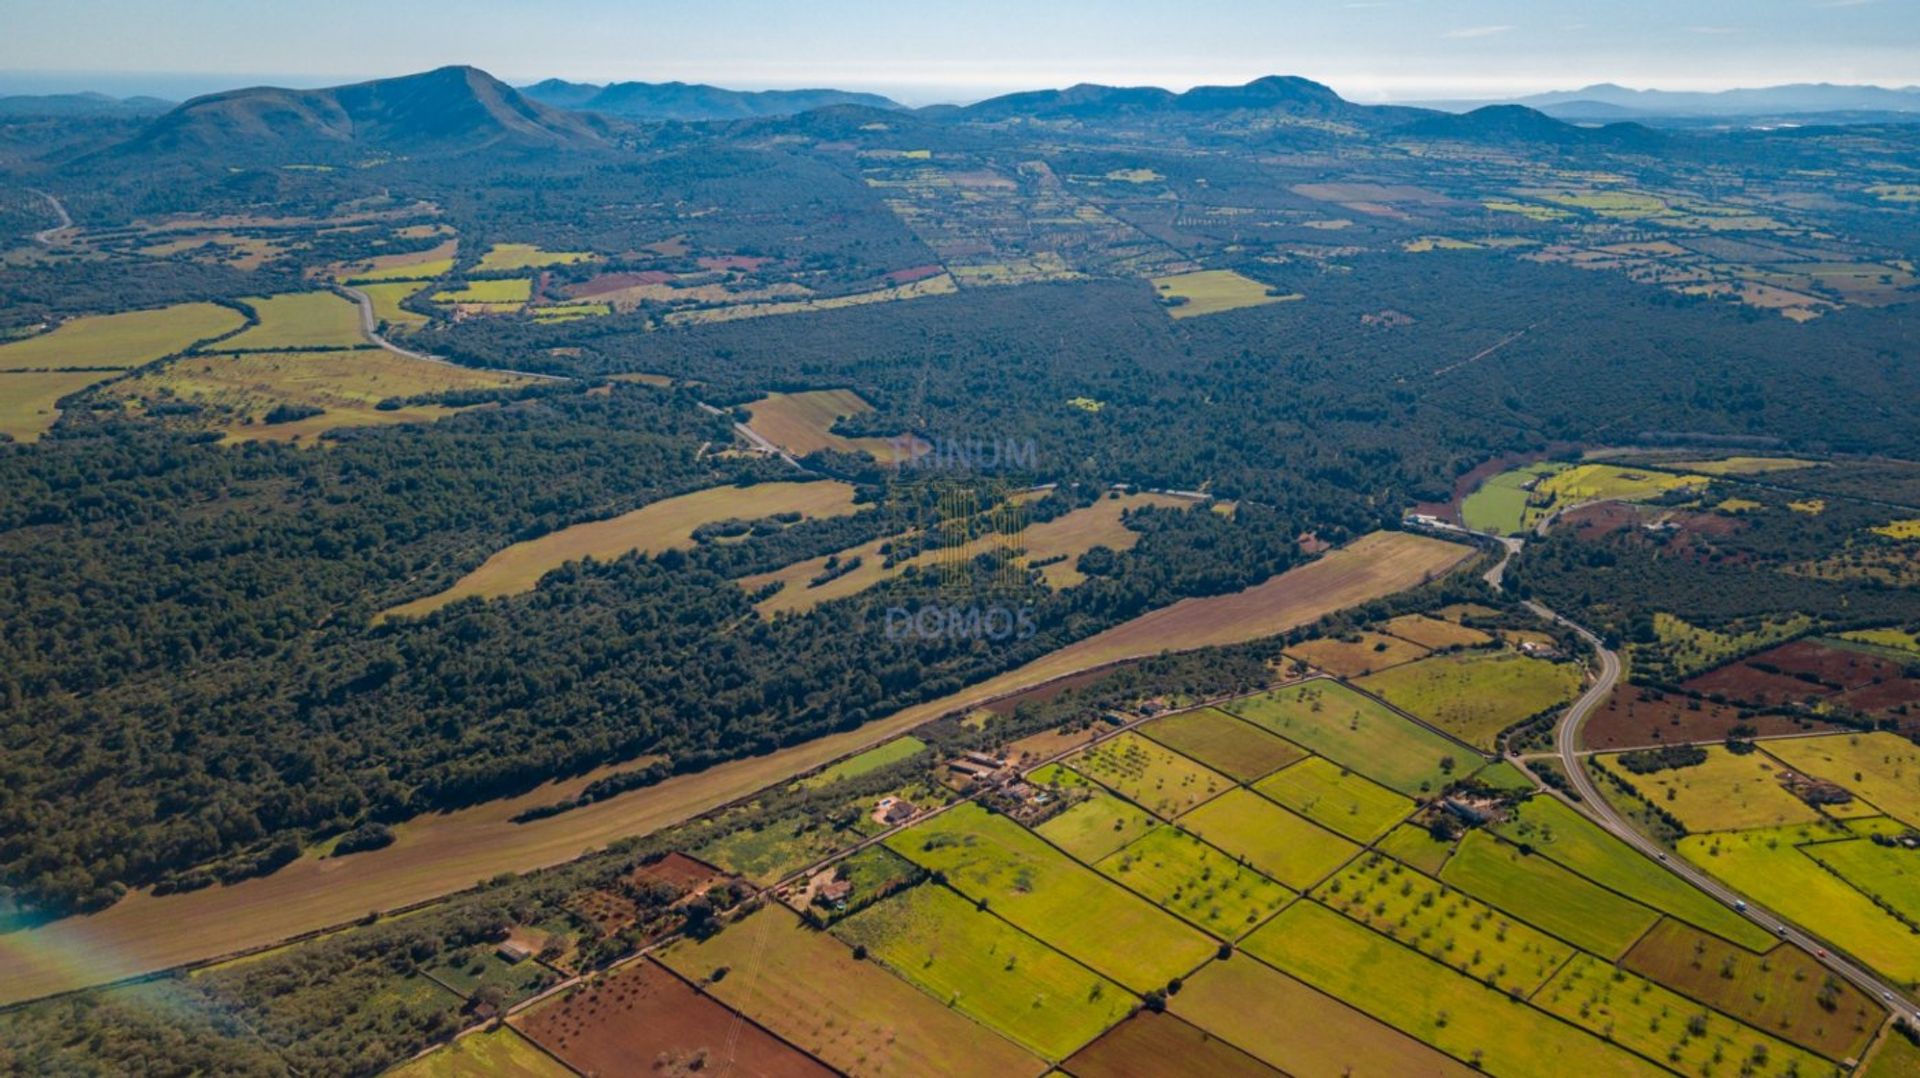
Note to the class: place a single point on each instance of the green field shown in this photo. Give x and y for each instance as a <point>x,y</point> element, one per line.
<point>120,341</point>
<point>497,1053</point>
<point>1636,1013</point>
<point>1097,826</point>
<point>1784,991</point>
<point>1729,792</point>
<point>1888,873</point>
<point>1558,832</point>
<point>1229,745</point>
<point>506,257</point>
<point>1475,696</point>
<point>986,969</point>
<point>1547,896</point>
<point>1767,866</point>
<point>1897,1057</point>
<point>27,399</point>
<point>1416,846</point>
<point>1443,924</point>
<point>1500,505</point>
<point>511,292</point>
<point>1279,843</point>
<point>1304,1032</point>
<point>316,320</point>
<point>1882,767</point>
<point>807,987</point>
<point>1149,774</point>
<point>891,752</point>
<point>1212,291</point>
<point>1359,732</point>
<point>386,304</point>
<point>1334,797</point>
<point>1419,996</point>
<point>1193,881</point>
<point>1040,890</point>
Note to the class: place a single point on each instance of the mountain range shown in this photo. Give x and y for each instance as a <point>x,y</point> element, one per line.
<point>691,102</point>
<point>85,104</point>
<point>1811,102</point>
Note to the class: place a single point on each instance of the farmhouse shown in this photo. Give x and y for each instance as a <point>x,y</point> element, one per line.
<point>893,810</point>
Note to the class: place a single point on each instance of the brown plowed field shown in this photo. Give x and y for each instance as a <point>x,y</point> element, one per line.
<point>1636,718</point>
<point>643,1015</point>
<point>1151,1045</point>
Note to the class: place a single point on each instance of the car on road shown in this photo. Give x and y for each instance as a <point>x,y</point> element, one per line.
<point>1740,904</point>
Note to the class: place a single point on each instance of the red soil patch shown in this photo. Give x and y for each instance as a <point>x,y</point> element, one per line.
<point>680,872</point>
<point>1603,518</point>
<point>916,273</point>
<point>746,263</point>
<point>605,910</point>
<point>606,283</point>
<point>1634,717</point>
<point>1803,668</point>
<point>643,1016</point>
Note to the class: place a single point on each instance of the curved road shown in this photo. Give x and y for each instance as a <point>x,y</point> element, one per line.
<point>370,329</point>
<point>45,236</point>
<point>1566,740</point>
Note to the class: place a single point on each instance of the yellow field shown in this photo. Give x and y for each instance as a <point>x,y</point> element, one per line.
<point>26,399</point>
<point>300,320</point>
<point>237,390</point>
<point>504,257</point>
<point>386,303</point>
<point>509,292</point>
<point>932,286</point>
<point>1213,291</point>
<point>1882,767</point>
<point>497,1053</point>
<point>416,266</point>
<point>663,525</point>
<point>119,341</point>
<point>802,423</point>
<point>1354,658</point>
<point>1898,639</point>
<point>1741,465</point>
<point>1072,534</point>
<point>1601,482</point>
<point>1899,529</point>
<point>1727,793</point>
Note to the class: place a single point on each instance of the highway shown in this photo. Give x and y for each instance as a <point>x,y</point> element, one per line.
<point>1566,739</point>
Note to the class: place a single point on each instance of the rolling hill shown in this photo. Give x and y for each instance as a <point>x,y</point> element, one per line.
<point>692,101</point>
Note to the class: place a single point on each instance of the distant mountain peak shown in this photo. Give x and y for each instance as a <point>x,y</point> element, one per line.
<point>693,102</point>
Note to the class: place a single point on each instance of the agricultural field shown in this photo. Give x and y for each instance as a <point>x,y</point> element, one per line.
<point>1149,774</point>
<point>940,285</point>
<point>1289,1025</point>
<point>1060,542</point>
<point>304,320</point>
<point>988,970</point>
<point>1281,844</point>
<point>662,525</point>
<point>1636,1013</point>
<point>1556,831</point>
<point>1501,504</point>
<point>248,395</point>
<point>808,989</point>
<point>1096,826</point>
<point>1234,748</point>
<point>1336,798</point>
<point>1444,924</point>
<point>1196,882</point>
<point>1189,295</point>
<point>412,266</point>
<point>892,752</point>
<point>1158,1045</point>
<point>120,341</point>
<point>1453,1012</point>
<point>1367,652</point>
<point>802,423</point>
<point>1739,465</point>
<point>1896,1056</point>
<point>1883,768</point>
<point>1769,865</point>
<point>1547,896</point>
<point>1515,501</point>
<point>1783,991</point>
<point>497,1053</point>
<point>507,257</point>
<point>386,299</point>
<point>1416,846</point>
<point>1039,890</point>
<point>1890,874</point>
<point>28,399</point>
<point>1359,732</point>
<point>1729,792</point>
<point>1636,716</point>
<point>1434,634</point>
<point>549,313</point>
<point>506,292</point>
<point>1476,696</point>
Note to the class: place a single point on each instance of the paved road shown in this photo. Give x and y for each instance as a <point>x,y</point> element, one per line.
<point>1595,807</point>
<point>370,329</point>
<point>44,237</point>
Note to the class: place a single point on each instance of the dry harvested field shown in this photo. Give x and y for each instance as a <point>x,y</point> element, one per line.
<point>27,399</point>
<point>643,1012</point>
<point>662,525</point>
<point>414,266</point>
<point>434,855</point>
<point>1434,634</point>
<point>299,320</point>
<point>1212,291</point>
<point>1636,717</point>
<point>802,423</point>
<point>1073,534</point>
<point>120,341</point>
<point>1358,657</point>
<point>1150,1045</point>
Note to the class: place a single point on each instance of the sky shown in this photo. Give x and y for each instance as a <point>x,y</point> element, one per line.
<point>1369,50</point>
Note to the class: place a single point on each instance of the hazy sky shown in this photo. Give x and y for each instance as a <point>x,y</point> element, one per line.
<point>964,49</point>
